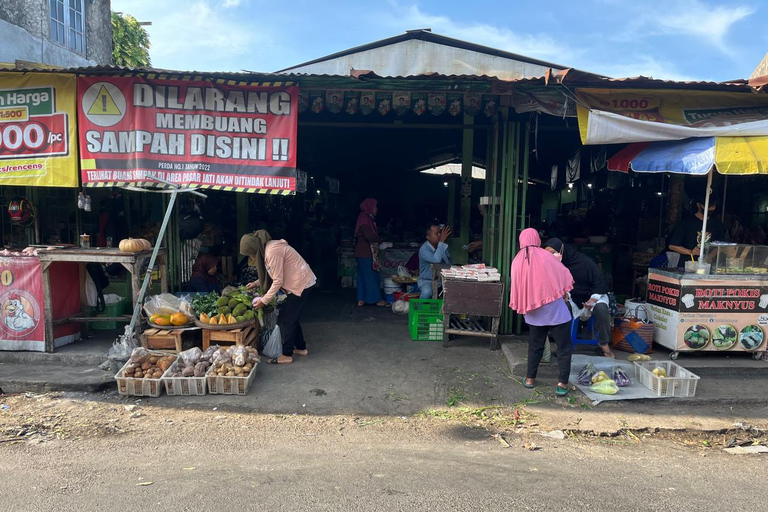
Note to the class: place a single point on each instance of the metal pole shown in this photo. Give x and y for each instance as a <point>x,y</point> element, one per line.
<point>725,195</point>
<point>706,214</point>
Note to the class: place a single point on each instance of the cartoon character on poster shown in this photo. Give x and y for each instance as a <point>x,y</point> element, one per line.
<point>437,103</point>
<point>20,313</point>
<point>418,103</point>
<point>302,101</point>
<point>490,106</point>
<point>352,101</point>
<point>318,105</point>
<point>472,104</point>
<point>334,101</point>
<point>454,107</point>
<point>366,103</point>
<point>402,103</point>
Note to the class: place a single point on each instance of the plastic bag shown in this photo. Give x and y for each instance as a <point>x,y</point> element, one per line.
<point>163,304</point>
<point>620,377</point>
<point>221,356</point>
<point>605,387</point>
<point>274,346</point>
<point>191,356</point>
<point>208,354</point>
<point>138,354</point>
<point>638,357</point>
<point>239,356</point>
<point>400,307</point>
<point>123,346</point>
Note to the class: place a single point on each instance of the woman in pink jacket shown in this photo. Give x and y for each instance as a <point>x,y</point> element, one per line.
<point>280,267</point>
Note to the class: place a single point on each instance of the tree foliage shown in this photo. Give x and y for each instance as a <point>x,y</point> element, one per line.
<point>130,42</point>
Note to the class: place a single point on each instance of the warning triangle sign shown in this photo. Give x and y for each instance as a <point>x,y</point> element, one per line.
<point>104,105</point>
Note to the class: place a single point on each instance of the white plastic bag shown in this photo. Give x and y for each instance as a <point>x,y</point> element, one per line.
<point>163,304</point>
<point>274,346</point>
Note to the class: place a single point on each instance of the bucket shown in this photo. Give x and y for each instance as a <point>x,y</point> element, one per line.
<point>637,308</point>
<point>390,287</point>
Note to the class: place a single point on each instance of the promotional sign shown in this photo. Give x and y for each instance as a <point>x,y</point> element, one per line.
<point>21,304</point>
<point>194,134</point>
<point>37,130</point>
<point>614,116</point>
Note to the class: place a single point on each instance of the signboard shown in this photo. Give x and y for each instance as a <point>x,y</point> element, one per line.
<point>608,116</point>
<point>194,134</point>
<point>37,130</point>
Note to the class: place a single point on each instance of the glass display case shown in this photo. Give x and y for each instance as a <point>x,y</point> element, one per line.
<point>736,258</point>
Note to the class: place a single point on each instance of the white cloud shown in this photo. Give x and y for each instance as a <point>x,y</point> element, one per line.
<point>230,3</point>
<point>642,65</point>
<point>710,23</point>
<point>198,35</point>
<point>539,45</point>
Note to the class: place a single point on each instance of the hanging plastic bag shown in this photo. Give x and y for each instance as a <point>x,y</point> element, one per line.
<point>605,387</point>
<point>274,346</point>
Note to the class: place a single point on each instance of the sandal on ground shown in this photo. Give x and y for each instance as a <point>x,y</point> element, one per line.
<point>527,385</point>
<point>382,304</point>
<point>275,360</point>
<point>561,391</point>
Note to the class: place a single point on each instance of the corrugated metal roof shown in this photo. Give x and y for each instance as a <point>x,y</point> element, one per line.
<point>429,36</point>
<point>363,78</point>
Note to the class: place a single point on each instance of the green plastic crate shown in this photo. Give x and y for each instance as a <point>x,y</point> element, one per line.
<point>110,310</point>
<point>425,319</point>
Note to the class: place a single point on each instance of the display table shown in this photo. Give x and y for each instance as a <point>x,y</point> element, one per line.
<point>703,312</point>
<point>471,298</point>
<point>132,261</point>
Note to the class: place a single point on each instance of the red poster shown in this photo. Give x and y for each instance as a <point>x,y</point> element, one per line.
<point>21,300</point>
<point>194,134</point>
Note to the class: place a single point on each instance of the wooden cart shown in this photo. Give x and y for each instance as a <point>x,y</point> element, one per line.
<point>464,299</point>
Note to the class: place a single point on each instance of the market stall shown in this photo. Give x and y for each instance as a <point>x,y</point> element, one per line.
<point>718,301</point>
<point>724,310</point>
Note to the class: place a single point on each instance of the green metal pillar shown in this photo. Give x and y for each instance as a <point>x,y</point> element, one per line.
<point>467,148</point>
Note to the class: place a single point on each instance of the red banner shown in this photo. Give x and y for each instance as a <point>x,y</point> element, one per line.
<point>21,303</point>
<point>194,134</point>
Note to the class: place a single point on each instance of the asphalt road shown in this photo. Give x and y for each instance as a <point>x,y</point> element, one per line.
<point>87,456</point>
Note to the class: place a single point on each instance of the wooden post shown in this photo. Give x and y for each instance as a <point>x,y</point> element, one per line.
<point>243,213</point>
<point>48,307</point>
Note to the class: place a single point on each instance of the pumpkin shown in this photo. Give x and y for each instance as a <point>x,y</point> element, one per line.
<point>131,245</point>
<point>146,243</point>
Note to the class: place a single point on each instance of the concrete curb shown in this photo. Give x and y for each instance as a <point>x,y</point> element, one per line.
<point>23,378</point>
<point>66,359</point>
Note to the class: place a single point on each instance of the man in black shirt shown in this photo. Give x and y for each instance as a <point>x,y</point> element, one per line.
<point>686,238</point>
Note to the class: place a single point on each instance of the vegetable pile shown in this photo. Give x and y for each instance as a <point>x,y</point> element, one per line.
<point>143,365</point>
<point>232,307</point>
<point>601,382</point>
<point>234,361</point>
<point>194,362</point>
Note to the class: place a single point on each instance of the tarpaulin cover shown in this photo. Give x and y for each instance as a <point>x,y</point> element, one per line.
<point>730,155</point>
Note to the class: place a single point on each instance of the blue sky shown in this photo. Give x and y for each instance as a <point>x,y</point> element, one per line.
<point>672,39</point>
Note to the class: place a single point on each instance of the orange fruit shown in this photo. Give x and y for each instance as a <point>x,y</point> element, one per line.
<point>179,319</point>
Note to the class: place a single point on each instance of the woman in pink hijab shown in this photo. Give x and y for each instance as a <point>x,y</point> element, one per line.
<point>539,285</point>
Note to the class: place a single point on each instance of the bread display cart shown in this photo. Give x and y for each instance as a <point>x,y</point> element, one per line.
<point>724,310</point>
<point>463,300</point>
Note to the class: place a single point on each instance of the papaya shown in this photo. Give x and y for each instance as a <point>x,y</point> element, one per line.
<point>179,319</point>
<point>204,318</point>
<point>161,320</point>
<point>156,316</point>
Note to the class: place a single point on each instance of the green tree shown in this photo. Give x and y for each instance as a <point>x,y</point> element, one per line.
<point>130,42</point>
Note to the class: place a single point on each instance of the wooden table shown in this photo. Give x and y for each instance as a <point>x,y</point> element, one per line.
<point>471,298</point>
<point>132,261</point>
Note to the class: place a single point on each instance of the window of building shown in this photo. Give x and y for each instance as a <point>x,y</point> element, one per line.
<point>68,24</point>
